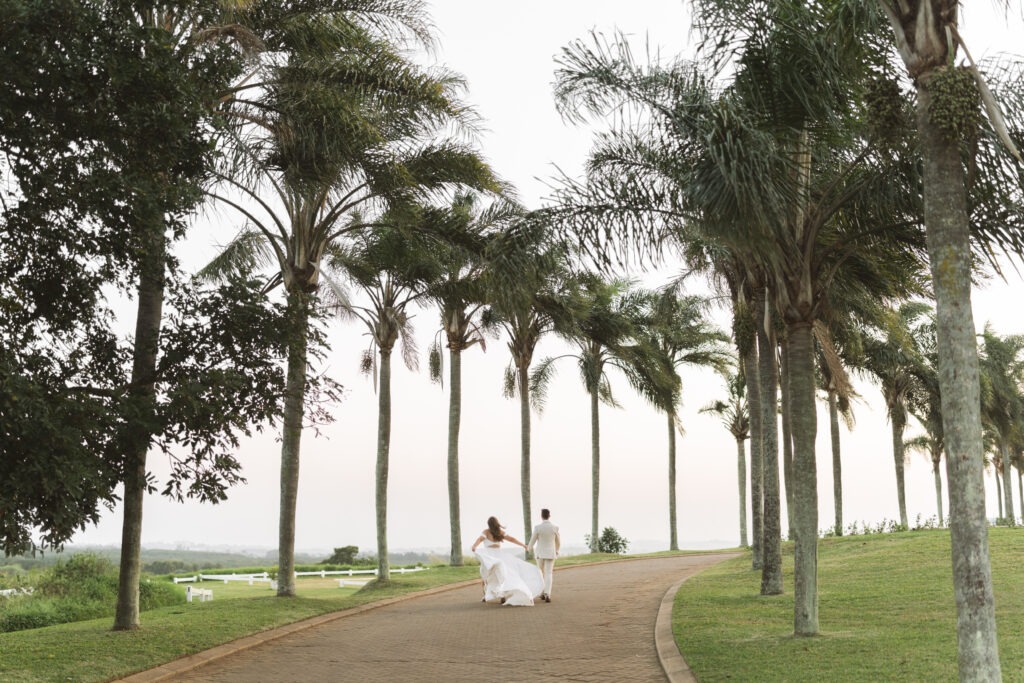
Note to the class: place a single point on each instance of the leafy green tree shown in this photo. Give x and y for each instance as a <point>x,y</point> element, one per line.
<point>118,178</point>
<point>343,555</point>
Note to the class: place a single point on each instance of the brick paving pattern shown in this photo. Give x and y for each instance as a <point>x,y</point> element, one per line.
<point>598,627</point>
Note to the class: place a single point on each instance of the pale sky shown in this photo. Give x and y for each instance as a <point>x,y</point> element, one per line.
<point>506,52</point>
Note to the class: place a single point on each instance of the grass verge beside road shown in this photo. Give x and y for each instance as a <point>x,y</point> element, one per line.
<point>88,651</point>
<point>886,612</point>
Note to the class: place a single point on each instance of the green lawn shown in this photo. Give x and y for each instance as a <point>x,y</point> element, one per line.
<point>885,605</point>
<point>89,651</point>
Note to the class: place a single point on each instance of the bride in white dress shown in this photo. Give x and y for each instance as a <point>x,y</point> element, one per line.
<point>506,577</point>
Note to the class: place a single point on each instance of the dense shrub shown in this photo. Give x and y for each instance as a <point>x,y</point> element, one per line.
<point>84,577</point>
<point>609,542</point>
<point>84,587</point>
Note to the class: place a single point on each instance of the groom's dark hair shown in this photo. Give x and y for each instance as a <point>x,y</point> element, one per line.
<point>545,513</point>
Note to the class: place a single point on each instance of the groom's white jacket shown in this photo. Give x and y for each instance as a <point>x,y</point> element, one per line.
<point>545,540</point>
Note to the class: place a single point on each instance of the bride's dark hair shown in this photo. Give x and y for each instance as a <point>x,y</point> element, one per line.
<point>497,531</point>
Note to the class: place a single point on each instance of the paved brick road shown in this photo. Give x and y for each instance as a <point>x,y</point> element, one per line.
<point>598,627</point>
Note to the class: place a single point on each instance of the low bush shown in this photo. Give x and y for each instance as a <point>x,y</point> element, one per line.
<point>609,542</point>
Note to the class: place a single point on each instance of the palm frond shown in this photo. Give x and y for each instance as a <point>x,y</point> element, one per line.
<point>246,253</point>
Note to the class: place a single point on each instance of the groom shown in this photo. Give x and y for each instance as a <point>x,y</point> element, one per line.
<point>547,542</point>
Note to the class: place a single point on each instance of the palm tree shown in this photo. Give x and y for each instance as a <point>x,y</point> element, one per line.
<point>837,389</point>
<point>893,359</point>
<point>331,136</point>
<point>732,276</point>
<point>527,285</point>
<point>768,374</point>
<point>459,293</point>
<point>926,444</point>
<point>392,267</point>
<point>927,39</point>
<point>718,164</point>
<point>606,334</point>
<point>1002,371</point>
<point>736,418</point>
<point>683,337</point>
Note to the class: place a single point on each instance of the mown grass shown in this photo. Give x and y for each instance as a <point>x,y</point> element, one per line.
<point>886,613</point>
<point>89,651</point>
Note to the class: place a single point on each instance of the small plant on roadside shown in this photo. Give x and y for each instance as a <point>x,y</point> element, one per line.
<point>609,542</point>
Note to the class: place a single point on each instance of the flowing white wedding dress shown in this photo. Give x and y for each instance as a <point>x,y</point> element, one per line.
<point>506,576</point>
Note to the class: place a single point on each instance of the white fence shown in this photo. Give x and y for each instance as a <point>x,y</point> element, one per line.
<point>204,594</point>
<point>265,577</point>
<point>248,578</point>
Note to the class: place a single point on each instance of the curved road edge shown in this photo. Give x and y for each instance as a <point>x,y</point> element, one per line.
<point>672,662</point>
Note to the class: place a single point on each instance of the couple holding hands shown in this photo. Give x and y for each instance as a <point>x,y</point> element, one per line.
<point>509,579</point>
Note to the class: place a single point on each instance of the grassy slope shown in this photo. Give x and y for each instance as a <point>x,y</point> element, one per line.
<point>885,605</point>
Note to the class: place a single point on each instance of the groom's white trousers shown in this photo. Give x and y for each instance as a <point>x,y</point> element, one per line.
<point>547,569</point>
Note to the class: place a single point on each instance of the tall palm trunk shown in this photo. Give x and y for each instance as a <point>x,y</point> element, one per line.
<point>899,423</point>
<point>771,540</point>
<point>139,430</point>
<point>805,478</point>
<point>295,389</point>
<point>949,250</point>
<point>1007,483</point>
<point>383,454</point>
<point>523,377</point>
<point>999,494</point>
<point>787,434</point>
<point>595,467</point>
<point>938,486</point>
<point>837,461</point>
<point>756,463</point>
<point>741,476</point>
<point>1020,493</point>
<point>673,537</point>
<point>454,420</point>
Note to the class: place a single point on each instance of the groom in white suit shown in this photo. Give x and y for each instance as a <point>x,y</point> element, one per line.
<point>547,543</point>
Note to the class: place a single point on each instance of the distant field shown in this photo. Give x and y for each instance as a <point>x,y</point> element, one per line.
<point>885,605</point>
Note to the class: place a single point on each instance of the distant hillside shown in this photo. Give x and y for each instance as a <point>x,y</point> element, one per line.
<point>156,560</point>
<point>172,560</point>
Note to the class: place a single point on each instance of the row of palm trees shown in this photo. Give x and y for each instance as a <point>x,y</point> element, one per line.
<point>347,173</point>
<point>898,353</point>
<point>790,180</point>
<point>786,167</point>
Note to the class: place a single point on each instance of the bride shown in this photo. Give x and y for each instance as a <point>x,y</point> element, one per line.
<point>506,577</point>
